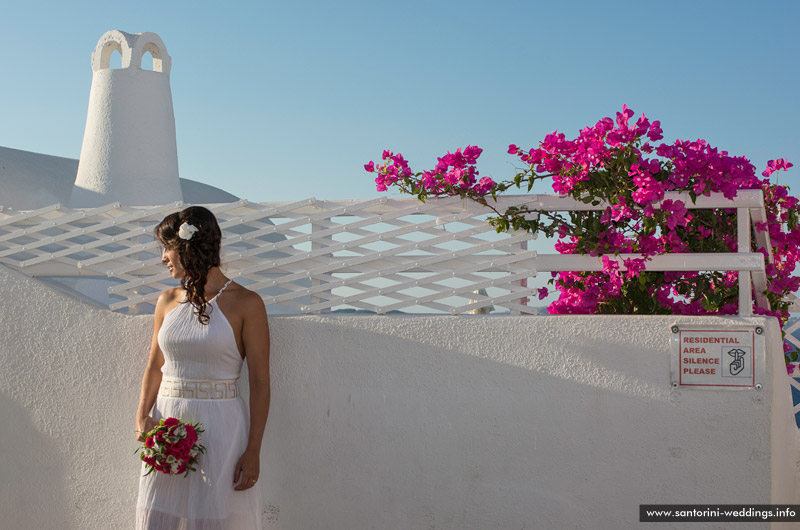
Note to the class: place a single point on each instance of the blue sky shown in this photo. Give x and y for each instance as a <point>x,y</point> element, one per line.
<point>283,101</point>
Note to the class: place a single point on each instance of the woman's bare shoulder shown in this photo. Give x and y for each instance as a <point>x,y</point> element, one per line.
<point>167,299</point>
<point>246,299</point>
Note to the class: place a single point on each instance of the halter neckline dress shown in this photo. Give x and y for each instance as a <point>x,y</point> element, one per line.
<point>199,384</point>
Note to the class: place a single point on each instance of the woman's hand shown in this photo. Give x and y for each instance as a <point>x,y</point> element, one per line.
<point>144,426</point>
<point>247,470</point>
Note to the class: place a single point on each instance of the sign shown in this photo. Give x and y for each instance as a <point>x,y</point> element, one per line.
<point>717,358</point>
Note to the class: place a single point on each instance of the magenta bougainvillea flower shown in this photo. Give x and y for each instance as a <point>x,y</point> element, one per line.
<point>614,162</point>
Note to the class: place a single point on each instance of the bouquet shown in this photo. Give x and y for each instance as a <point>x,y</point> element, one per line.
<point>172,447</point>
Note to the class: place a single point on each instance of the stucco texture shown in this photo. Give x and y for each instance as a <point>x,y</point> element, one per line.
<point>401,422</point>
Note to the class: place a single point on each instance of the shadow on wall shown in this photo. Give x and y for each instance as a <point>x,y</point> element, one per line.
<point>70,372</point>
<point>33,473</point>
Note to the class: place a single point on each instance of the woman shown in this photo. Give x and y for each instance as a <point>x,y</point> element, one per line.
<point>203,331</point>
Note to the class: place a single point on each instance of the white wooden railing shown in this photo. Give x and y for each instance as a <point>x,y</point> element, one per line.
<point>377,255</point>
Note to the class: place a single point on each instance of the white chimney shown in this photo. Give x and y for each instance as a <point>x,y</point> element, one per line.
<point>129,152</point>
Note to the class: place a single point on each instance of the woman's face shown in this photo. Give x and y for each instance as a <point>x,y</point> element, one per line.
<point>169,257</point>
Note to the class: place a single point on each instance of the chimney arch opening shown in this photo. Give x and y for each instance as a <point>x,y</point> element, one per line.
<point>111,55</point>
<point>154,61</point>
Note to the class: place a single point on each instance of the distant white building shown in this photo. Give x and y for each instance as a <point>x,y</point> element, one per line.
<point>34,180</point>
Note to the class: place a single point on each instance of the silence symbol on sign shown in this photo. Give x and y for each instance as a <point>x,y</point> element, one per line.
<point>737,365</point>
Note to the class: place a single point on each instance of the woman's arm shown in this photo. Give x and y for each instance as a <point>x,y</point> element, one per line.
<point>255,339</point>
<point>151,380</point>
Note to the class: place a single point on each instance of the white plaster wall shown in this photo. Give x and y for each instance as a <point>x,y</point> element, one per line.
<point>467,423</point>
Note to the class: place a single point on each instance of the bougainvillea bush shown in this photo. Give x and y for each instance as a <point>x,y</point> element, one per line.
<point>622,163</point>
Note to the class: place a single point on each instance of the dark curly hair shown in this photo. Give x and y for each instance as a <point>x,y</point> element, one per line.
<point>197,255</point>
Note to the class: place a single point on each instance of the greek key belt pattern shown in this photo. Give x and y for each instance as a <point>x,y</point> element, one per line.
<point>178,388</point>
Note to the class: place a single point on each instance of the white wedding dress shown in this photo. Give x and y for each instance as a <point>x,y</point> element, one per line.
<point>202,364</point>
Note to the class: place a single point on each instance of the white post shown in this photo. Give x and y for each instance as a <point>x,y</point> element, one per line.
<point>743,245</point>
<point>523,283</point>
<point>315,245</point>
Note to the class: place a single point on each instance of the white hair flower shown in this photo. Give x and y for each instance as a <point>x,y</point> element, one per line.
<point>186,231</point>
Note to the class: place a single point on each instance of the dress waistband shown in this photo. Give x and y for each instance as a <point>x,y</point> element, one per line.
<point>214,389</point>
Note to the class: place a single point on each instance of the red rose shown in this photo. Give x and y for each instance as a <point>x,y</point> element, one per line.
<point>177,449</point>
<point>169,422</point>
<point>150,442</point>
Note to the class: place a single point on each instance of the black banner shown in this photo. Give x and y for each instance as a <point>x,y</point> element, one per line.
<point>718,513</point>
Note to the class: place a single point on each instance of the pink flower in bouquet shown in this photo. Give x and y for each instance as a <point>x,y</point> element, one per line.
<point>191,435</point>
<point>182,448</point>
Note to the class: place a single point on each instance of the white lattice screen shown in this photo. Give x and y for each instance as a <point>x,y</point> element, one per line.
<point>378,255</point>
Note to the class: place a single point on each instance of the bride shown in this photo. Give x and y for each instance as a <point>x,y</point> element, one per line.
<point>203,332</point>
